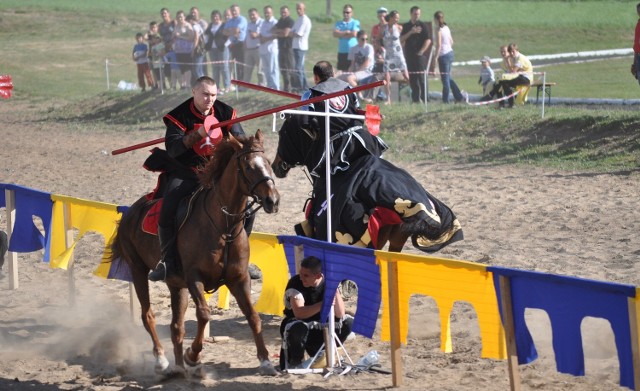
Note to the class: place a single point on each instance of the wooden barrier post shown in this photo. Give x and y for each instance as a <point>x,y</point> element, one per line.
<point>10,201</point>
<point>510,336</point>
<point>394,320</point>
<point>68,242</point>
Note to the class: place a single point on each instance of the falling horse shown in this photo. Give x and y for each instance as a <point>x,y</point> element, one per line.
<point>212,245</point>
<point>373,202</point>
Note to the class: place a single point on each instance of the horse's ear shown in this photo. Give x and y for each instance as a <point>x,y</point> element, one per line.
<point>260,136</point>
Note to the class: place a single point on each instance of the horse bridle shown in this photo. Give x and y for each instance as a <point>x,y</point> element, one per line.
<point>251,186</point>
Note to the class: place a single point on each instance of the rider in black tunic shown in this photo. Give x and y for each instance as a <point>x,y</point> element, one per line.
<point>188,147</point>
<point>349,139</point>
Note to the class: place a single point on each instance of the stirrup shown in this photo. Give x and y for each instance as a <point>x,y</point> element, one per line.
<point>159,273</point>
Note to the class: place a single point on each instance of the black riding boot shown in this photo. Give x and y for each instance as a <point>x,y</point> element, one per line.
<point>167,265</point>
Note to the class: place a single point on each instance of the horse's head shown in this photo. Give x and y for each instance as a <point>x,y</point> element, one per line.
<point>294,146</point>
<point>255,170</point>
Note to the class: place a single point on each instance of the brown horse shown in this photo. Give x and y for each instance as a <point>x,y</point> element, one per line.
<point>376,183</point>
<point>212,244</point>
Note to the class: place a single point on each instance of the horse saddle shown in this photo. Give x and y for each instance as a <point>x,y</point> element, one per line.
<point>150,220</point>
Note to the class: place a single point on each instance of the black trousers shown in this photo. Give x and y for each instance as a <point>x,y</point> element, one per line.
<point>509,85</point>
<point>287,65</point>
<point>177,189</point>
<point>415,65</point>
<point>237,53</point>
<point>300,337</point>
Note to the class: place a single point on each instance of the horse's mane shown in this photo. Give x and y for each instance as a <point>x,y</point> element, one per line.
<point>214,168</point>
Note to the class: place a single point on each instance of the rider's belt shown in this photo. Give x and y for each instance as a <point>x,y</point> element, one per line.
<point>345,132</point>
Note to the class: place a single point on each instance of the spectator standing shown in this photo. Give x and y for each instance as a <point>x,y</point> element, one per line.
<point>252,47</point>
<point>165,29</point>
<point>269,49</point>
<point>395,66</point>
<point>174,69</point>
<point>157,54</point>
<point>153,29</point>
<point>183,43</point>
<point>444,53</point>
<point>216,49</point>
<point>636,46</point>
<point>301,30</point>
<point>345,30</point>
<point>378,55</point>
<point>282,30</point>
<point>195,14</point>
<point>236,29</point>
<point>416,42</point>
<point>140,56</point>
<point>376,31</point>
<point>487,77</point>
<point>199,50</point>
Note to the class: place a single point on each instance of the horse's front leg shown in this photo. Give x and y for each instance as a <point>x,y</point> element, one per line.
<point>241,290</point>
<point>203,314</point>
<point>179,303</point>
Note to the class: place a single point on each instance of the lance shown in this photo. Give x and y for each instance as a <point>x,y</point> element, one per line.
<point>260,114</point>
<point>372,116</point>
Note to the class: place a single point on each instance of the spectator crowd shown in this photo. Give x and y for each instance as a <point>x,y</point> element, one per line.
<point>176,52</point>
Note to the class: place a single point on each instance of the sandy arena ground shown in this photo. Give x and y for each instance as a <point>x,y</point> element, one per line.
<point>570,223</point>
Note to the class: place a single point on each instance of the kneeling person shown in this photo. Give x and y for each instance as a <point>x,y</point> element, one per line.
<point>303,303</point>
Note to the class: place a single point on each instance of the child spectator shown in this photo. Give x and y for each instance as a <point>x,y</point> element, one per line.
<point>140,55</point>
<point>157,63</point>
<point>176,74</point>
<point>487,77</point>
<point>153,30</point>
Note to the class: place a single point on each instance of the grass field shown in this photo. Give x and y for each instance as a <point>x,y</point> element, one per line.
<point>56,53</point>
<point>58,48</point>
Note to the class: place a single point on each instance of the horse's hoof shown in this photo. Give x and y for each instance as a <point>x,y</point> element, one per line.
<point>188,361</point>
<point>197,372</point>
<point>267,369</point>
<point>162,365</point>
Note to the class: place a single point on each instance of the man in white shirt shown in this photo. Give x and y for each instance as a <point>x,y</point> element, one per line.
<point>300,31</point>
<point>269,50</point>
<point>251,47</point>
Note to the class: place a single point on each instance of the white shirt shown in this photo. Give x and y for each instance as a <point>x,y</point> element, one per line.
<point>359,54</point>
<point>446,41</point>
<point>301,29</point>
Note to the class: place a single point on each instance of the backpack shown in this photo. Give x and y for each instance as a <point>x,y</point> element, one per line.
<point>201,47</point>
